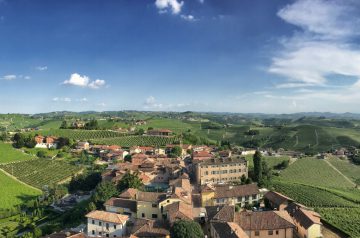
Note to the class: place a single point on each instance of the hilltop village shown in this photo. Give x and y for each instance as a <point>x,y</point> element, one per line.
<point>207,187</point>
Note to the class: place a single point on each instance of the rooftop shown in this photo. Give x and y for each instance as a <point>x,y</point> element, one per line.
<point>108,216</point>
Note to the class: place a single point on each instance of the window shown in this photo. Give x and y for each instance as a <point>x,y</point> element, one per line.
<point>107,226</point>
<point>206,172</point>
<point>107,235</point>
<point>254,196</point>
<point>93,222</point>
<point>154,216</point>
<point>142,214</point>
<point>93,232</point>
<point>100,223</point>
<point>99,232</point>
<point>270,233</point>
<point>257,233</point>
<point>277,232</point>
<point>154,205</point>
<point>114,227</point>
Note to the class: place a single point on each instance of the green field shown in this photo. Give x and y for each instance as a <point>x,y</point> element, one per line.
<point>128,141</point>
<point>272,161</point>
<point>351,170</point>
<point>14,193</point>
<point>10,154</point>
<point>41,172</point>
<point>79,134</point>
<point>314,172</point>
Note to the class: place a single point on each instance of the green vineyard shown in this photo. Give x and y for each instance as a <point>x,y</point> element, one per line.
<point>80,134</point>
<point>128,141</point>
<point>40,172</point>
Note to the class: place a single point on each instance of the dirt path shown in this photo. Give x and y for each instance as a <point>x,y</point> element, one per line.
<point>332,166</point>
<point>316,138</point>
<point>13,177</point>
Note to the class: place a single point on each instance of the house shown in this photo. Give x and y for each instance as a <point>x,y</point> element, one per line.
<point>275,224</point>
<point>214,214</point>
<point>276,200</point>
<point>221,170</point>
<point>106,224</point>
<point>220,229</point>
<point>248,152</point>
<point>202,155</point>
<point>83,145</point>
<point>66,234</point>
<point>147,203</point>
<point>159,132</point>
<point>212,195</point>
<point>46,142</point>
<point>122,206</point>
<point>178,211</point>
<point>78,125</point>
<point>225,153</point>
<point>308,224</point>
<point>145,228</point>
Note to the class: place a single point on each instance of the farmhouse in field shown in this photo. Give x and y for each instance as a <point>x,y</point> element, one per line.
<point>159,132</point>
<point>45,142</point>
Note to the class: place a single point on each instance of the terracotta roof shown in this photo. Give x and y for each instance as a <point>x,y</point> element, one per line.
<point>108,216</point>
<point>122,203</point>
<point>220,213</point>
<point>228,230</point>
<point>148,228</point>
<point>228,191</point>
<point>301,215</point>
<point>150,196</point>
<point>228,160</point>
<point>267,220</point>
<point>277,198</point>
<point>182,194</point>
<point>179,211</point>
<point>129,193</point>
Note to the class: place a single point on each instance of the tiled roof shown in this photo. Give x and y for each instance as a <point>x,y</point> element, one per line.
<point>179,211</point>
<point>301,215</point>
<point>63,234</point>
<point>228,230</point>
<point>150,196</point>
<point>122,203</point>
<point>220,213</point>
<point>277,198</point>
<point>108,216</point>
<point>129,193</point>
<point>229,160</point>
<point>227,191</point>
<point>267,220</point>
<point>148,228</point>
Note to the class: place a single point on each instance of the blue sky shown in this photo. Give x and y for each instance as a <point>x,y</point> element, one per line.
<point>170,55</point>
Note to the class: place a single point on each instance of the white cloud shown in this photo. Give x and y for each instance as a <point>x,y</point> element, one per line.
<point>27,77</point>
<point>152,104</point>
<point>84,81</point>
<point>65,99</point>
<point>9,77</point>
<point>96,84</point>
<point>83,100</point>
<point>188,17</point>
<point>41,68</point>
<point>174,5</point>
<point>322,48</point>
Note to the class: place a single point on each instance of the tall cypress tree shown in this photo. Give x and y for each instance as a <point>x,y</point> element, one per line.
<point>257,166</point>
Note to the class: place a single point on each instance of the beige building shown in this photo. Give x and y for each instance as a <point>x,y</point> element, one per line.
<point>221,170</point>
<point>268,224</point>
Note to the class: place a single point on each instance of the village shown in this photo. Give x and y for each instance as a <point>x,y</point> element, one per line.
<point>192,183</point>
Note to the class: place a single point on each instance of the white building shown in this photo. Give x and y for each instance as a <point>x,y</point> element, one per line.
<point>106,224</point>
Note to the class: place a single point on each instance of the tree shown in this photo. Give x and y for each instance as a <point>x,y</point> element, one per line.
<point>128,158</point>
<point>62,141</point>
<point>257,166</point>
<point>176,152</point>
<point>129,181</point>
<point>91,207</point>
<point>140,131</point>
<point>266,175</point>
<point>92,125</point>
<point>243,179</point>
<point>37,232</point>
<point>104,191</point>
<point>186,229</point>
<point>3,136</point>
<point>64,125</point>
<point>41,154</point>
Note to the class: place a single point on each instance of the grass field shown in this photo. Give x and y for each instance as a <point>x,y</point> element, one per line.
<point>41,172</point>
<point>13,192</point>
<point>10,154</point>
<point>314,172</point>
<point>271,160</point>
<point>128,141</point>
<point>351,170</point>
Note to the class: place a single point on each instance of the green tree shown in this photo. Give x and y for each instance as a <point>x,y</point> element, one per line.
<point>176,151</point>
<point>257,166</point>
<point>129,181</point>
<point>4,136</point>
<point>91,207</point>
<point>41,154</point>
<point>128,158</point>
<point>186,229</point>
<point>37,232</point>
<point>64,125</point>
<point>104,191</point>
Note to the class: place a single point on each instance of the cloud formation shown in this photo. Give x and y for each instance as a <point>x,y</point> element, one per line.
<point>9,77</point>
<point>41,68</point>
<point>322,47</point>
<point>188,17</point>
<point>84,81</point>
<point>173,5</point>
<point>65,99</point>
<point>152,104</point>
